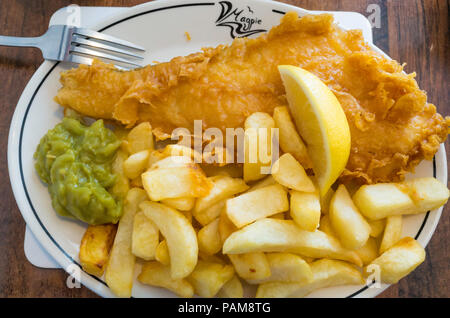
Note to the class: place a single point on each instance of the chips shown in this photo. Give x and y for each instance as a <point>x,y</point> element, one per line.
<point>377,201</point>
<point>162,253</point>
<point>209,240</point>
<point>223,187</point>
<point>232,289</point>
<point>251,266</point>
<point>286,267</point>
<point>145,237</point>
<point>258,146</point>
<point>159,275</point>
<point>175,182</point>
<point>179,234</point>
<point>181,204</point>
<point>325,273</point>
<point>136,164</point>
<point>120,269</point>
<point>350,226</point>
<point>398,261</point>
<point>122,185</point>
<point>95,247</point>
<point>290,141</point>
<point>215,229</point>
<point>305,209</point>
<point>368,252</point>
<point>272,235</point>
<point>139,138</point>
<point>288,172</point>
<point>208,278</point>
<point>392,232</point>
<point>209,214</point>
<point>257,204</point>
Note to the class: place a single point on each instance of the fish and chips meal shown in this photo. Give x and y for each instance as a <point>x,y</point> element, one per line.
<point>312,194</point>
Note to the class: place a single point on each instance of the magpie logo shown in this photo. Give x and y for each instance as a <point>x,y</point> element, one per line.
<point>242,22</point>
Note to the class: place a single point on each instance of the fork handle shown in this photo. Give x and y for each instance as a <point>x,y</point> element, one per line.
<point>19,41</point>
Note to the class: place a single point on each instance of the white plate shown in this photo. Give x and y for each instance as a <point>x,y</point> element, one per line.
<point>160,27</point>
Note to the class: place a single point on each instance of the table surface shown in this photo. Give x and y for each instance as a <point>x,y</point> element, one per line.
<point>411,31</point>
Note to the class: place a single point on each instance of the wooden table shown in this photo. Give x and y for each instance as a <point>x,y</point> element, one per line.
<point>411,31</point>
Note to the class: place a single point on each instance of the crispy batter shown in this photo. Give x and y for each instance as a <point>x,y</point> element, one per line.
<point>392,126</point>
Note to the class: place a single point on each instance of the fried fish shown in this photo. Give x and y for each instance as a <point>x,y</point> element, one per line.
<point>392,125</point>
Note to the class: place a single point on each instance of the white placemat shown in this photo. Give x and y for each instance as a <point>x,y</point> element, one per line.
<point>34,252</point>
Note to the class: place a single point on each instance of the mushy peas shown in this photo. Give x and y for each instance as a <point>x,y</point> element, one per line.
<point>75,161</point>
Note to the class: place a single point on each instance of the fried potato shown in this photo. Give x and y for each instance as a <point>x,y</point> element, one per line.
<point>326,227</point>
<point>231,170</point>
<point>175,182</point>
<point>139,138</point>
<point>251,266</point>
<point>288,172</point>
<point>188,215</point>
<point>272,235</point>
<point>217,258</point>
<point>280,216</point>
<point>290,141</point>
<point>119,272</point>
<point>137,182</point>
<point>226,227</point>
<point>257,204</point>
<point>286,267</point>
<point>208,215</point>
<point>267,181</point>
<point>232,289</point>
<point>209,241</point>
<point>377,227</point>
<point>136,164</point>
<point>325,201</point>
<point>325,272</point>
<point>179,234</point>
<point>427,194</point>
<point>154,157</point>
<point>400,260</point>
<point>95,247</point>
<point>180,150</point>
<point>159,275</point>
<point>162,253</point>
<point>305,209</point>
<point>223,187</point>
<point>377,201</point>
<point>392,232</point>
<point>350,226</point>
<point>217,155</point>
<point>257,143</point>
<point>174,162</point>
<point>181,204</point>
<point>368,252</point>
<point>208,278</point>
<point>145,237</point>
<point>122,185</point>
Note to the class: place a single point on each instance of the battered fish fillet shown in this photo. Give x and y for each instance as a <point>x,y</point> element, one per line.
<point>392,126</point>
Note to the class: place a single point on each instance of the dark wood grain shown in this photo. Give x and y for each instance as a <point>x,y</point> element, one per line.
<point>412,31</point>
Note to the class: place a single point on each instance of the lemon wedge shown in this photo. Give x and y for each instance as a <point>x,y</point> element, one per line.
<point>320,121</point>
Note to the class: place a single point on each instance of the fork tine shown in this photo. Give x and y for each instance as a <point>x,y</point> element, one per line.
<point>79,59</point>
<point>88,61</point>
<point>104,37</point>
<point>106,47</point>
<point>82,50</point>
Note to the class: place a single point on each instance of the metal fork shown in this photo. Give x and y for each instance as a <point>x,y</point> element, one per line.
<point>79,45</point>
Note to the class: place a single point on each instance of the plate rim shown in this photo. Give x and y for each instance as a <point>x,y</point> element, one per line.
<point>21,196</point>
